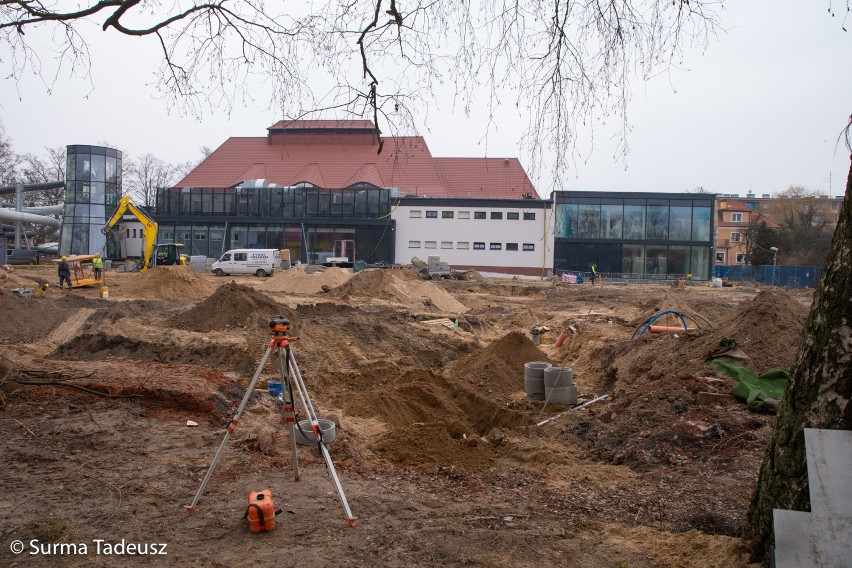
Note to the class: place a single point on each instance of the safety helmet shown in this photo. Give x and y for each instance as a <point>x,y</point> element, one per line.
<point>97,254</point>
<point>64,258</point>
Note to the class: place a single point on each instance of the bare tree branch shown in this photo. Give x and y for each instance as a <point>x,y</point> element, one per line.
<point>563,65</point>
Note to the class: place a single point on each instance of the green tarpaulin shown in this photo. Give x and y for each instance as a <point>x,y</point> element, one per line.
<point>754,389</point>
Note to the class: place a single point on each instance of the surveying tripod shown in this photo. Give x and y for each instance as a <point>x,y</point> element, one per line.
<point>290,375</point>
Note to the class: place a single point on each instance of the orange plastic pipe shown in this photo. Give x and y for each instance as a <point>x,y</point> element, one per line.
<point>666,328</point>
<point>561,339</point>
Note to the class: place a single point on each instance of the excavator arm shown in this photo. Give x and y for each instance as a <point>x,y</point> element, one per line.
<point>148,224</point>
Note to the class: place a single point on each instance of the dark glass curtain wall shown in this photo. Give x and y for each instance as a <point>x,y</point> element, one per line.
<point>656,236</point>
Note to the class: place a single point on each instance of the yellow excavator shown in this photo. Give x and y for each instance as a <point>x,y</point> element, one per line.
<point>166,254</point>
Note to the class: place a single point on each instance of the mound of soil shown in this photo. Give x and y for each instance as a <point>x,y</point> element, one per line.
<point>9,280</point>
<point>654,419</point>
<point>161,282</point>
<point>500,366</point>
<point>769,329</point>
<point>231,306</point>
<point>99,344</point>
<point>399,286</point>
<point>25,320</point>
<point>674,300</point>
<point>429,419</point>
<point>298,281</point>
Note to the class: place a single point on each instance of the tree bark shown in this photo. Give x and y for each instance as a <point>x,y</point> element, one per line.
<point>817,394</point>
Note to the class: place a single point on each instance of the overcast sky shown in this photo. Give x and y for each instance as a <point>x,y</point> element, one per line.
<point>758,111</point>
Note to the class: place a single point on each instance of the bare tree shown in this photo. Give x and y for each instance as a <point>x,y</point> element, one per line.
<point>9,160</point>
<point>563,65</point>
<point>807,222</point>
<point>144,175</point>
<point>38,169</point>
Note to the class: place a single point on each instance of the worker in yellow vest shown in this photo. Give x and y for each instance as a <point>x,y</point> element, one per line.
<point>97,264</point>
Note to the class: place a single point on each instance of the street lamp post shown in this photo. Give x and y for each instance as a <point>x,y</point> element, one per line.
<point>774,262</point>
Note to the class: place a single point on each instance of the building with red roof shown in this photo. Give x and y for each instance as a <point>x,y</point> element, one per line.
<point>310,183</point>
<point>734,218</point>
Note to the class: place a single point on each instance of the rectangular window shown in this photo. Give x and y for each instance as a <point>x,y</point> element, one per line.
<point>496,214</point>
<point>634,223</point>
<point>680,223</point>
<point>657,223</point>
<point>462,245</point>
<point>464,214</point>
<point>513,215</point>
<point>240,257</point>
<point>431,214</point>
<point>735,237</point>
<point>414,244</point>
<point>478,246</point>
<point>430,244</point>
<point>720,257</point>
<point>741,258</point>
<point>612,220</point>
<point>736,217</point>
<point>200,237</point>
<point>529,216</point>
<point>446,214</point>
<point>479,214</point>
<point>446,244</point>
<point>511,246</point>
<point>415,213</point>
<point>529,246</point>
<point>589,223</point>
<point>496,246</point>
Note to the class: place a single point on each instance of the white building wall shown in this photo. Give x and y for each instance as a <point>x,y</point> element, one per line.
<point>131,238</point>
<point>454,232</point>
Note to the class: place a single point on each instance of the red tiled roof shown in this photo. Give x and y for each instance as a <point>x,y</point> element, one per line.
<point>739,206</point>
<point>405,162</point>
<point>311,173</point>
<point>485,177</point>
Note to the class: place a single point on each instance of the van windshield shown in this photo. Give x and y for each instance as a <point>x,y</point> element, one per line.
<point>226,256</point>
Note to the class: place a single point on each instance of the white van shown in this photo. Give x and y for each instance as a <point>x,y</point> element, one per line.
<point>260,262</point>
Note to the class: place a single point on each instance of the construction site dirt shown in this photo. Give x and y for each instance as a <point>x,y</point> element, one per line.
<point>113,408</point>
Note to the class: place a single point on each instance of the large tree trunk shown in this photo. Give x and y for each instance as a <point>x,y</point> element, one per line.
<point>817,394</point>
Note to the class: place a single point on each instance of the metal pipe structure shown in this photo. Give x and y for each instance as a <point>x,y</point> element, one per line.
<point>21,217</point>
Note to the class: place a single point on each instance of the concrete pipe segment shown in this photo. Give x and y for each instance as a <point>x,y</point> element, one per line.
<point>559,387</point>
<point>534,379</point>
<point>306,437</point>
<point>558,377</point>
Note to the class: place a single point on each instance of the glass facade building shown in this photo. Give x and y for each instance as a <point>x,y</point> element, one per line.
<point>634,235</point>
<point>304,219</point>
<point>92,191</point>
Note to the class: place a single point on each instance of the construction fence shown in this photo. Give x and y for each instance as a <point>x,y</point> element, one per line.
<point>784,276</point>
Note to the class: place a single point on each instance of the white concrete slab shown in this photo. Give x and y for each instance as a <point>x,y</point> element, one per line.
<point>823,537</point>
<point>803,540</point>
<point>829,455</point>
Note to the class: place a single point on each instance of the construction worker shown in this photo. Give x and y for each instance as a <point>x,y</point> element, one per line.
<point>64,272</point>
<point>594,273</point>
<point>97,264</point>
